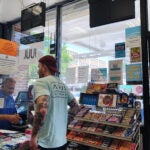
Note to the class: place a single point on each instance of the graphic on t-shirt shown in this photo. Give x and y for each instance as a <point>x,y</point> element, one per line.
<point>59,90</point>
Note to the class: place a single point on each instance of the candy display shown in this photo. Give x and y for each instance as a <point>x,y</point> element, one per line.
<point>105,121</point>
<point>101,142</point>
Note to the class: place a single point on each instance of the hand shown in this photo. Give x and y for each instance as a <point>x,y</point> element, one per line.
<point>33,143</point>
<point>15,118</point>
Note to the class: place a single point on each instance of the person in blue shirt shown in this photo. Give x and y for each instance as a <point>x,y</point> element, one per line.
<point>8,113</point>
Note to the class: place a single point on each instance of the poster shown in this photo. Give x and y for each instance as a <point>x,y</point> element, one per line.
<point>83,73</point>
<point>71,75</point>
<point>120,50</point>
<point>8,47</point>
<point>133,36</point>
<point>115,71</point>
<point>133,72</point>
<point>8,64</point>
<point>99,75</point>
<point>30,53</point>
<point>135,54</point>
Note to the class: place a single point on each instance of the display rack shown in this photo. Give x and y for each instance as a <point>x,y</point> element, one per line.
<point>134,138</point>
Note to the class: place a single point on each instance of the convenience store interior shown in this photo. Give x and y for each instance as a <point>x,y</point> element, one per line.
<point>93,47</point>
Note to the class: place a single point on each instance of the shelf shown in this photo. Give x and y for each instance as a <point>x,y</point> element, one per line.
<point>105,122</point>
<point>91,145</point>
<point>102,134</point>
<point>134,125</point>
<point>95,146</point>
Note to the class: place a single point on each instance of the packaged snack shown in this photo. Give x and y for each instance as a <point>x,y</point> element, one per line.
<point>115,119</point>
<point>92,127</point>
<point>109,129</point>
<point>72,123</point>
<point>86,125</point>
<point>118,131</point>
<point>100,128</point>
<point>78,125</point>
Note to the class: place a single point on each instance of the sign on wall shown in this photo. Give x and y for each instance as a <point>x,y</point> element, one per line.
<point>8,47</point>
<point>8,57</point>
<point>30,53</point>
<point>8,64</point>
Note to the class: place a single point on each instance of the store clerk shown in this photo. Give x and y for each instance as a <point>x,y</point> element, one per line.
<point>8,113</point>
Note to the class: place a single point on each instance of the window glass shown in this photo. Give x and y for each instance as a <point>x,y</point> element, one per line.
<point>85,48</point>
<point>28,66</point>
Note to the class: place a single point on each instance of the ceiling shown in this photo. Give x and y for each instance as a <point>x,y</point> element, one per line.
<point>11,9</point>
<point>98,41</point>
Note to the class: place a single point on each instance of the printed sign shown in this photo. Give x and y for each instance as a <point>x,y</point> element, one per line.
<point>120,50</point>
<point>115,71</point>
<point>83,73</point>
<point>133,72</point>
<point>8,64</point>
<point>30,53</point>
<point>8,47</point>
<point>70,75</point>
<point>135,54</point>
<point>99,75</point>
<point>133,36</point>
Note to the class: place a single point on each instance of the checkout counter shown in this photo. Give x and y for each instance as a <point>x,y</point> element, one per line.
<point>14,140</point>
<point>18,138</point>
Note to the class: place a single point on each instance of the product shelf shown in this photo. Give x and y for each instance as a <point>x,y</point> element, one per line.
<point>87,144</point>
<point>102,134</point>
<point>105,122</point>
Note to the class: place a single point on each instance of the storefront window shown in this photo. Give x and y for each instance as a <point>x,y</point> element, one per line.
<point>30,52</point>
<point>90,48</point>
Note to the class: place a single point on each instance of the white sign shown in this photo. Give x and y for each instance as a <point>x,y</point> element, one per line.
<point>83,73</point>
<point>71,72</point>
<point>30,53</point>
<point>8,64</point>
<point>133,36</point>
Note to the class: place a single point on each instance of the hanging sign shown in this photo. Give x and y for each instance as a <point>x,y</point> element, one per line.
<point>133,36</point>
<point>71,75</point>
<point>134,72</point>
<point>99,75</point>
<point>135,54</point>
<point>8,47</point>
<point>83,73</point>
<point>115,71</point>
<point>120,50</point>
<point>30,53</point>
